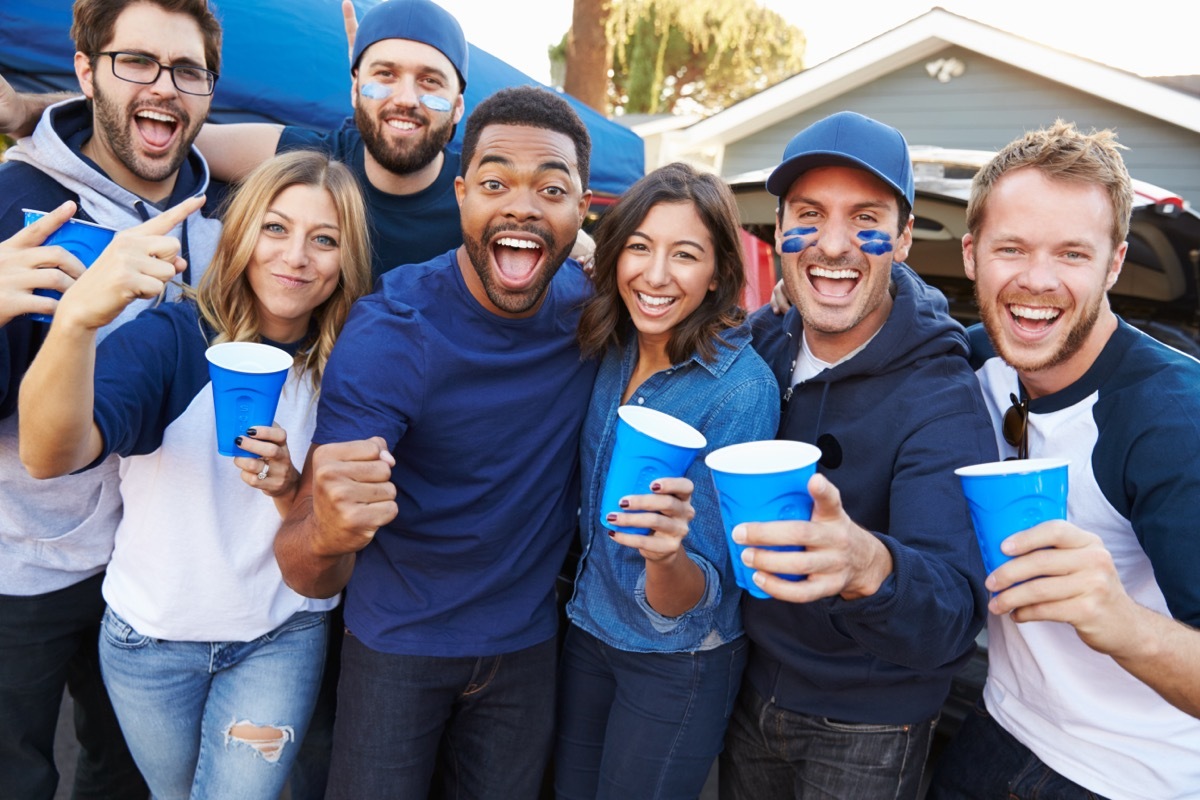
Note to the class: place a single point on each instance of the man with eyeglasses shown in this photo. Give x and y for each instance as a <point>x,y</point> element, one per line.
<point>1094,657</point>
<point>120,155</point>
<point>849,667</point>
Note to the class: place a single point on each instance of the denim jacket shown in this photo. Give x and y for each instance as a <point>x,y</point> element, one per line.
<point>734,399</point>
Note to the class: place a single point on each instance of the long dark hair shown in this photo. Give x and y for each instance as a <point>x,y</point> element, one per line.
<point>605,320</point>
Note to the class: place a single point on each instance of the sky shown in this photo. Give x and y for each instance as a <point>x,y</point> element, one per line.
<point>1160,38</point>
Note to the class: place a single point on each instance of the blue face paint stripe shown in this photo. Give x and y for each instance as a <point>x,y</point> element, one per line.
<point>793,241</point>
<point>374,91</point>
<point>875,243</point>
<point>435,103</point>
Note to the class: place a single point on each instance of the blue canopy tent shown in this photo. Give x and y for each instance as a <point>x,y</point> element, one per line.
<point>286,61</point>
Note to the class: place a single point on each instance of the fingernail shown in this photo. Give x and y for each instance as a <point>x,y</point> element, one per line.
<point>759,579</point>
<point>612,516</point>
<point>654,487</point>
<point>624,503</point>
<point>612,534</point>
<point>252,432</point>
<point>747,558</point>
<point>238,441</point>
<point>739,534</point>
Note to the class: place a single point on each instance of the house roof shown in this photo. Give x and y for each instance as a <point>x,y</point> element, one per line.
<point>919,39</point>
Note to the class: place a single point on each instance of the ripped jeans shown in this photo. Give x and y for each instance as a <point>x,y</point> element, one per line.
<point>214,719</point>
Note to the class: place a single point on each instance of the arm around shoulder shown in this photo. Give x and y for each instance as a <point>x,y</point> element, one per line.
<point>233,150</point>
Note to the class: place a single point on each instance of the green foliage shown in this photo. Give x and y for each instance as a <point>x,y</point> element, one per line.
<point>697,56</point>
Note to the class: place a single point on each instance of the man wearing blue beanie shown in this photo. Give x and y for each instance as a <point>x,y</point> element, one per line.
<point>408,70</point>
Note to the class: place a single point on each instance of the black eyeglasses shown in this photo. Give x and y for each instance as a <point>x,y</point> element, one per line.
<point>1016,425</point>
<point>139,68</point>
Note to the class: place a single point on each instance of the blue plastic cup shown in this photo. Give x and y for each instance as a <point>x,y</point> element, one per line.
<point>649,445</point>
<point>247,379</point>
<point>84,240</point>
<point>1006,497</point>
<point>762,482</point>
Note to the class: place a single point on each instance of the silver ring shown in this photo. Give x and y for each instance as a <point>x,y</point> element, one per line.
<point>262,473</point>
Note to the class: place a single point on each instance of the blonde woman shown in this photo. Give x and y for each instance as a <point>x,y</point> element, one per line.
<point>212,662</point>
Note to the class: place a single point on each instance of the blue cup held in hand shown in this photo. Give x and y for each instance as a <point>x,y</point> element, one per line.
<point>247,379</point>
<point>1006,497</point>
<point>649,445</point>
<point>84,240</point>
<point>762,482</point>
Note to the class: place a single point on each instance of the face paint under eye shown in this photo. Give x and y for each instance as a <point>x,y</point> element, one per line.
<point>435,103</point>
<point>374,91</point>
<point>875,243</point>
<point>792,241</point>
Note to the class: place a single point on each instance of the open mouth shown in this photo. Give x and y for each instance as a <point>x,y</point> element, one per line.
<point>833,281</point>
<point>517,259</point>
<point>402,124</point>
<point>157,128</point>
<point>1034,319</point>
<point>654,305</point>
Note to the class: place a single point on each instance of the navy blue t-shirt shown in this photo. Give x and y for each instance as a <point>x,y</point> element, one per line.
<point>405,228</point>
<point>482,414</point>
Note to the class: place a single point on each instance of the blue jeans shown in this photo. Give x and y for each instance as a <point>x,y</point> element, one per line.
<point>486,723</point>
<point>984,761</point>
<point>644,725</point>
<point>185,706</point>
<point>48,641</point>
<point>775,753</point>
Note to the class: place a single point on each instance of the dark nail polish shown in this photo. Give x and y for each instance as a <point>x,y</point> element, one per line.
<point>624,503</point>
<point>252,432</point>
<point>238,441</point>
<point>612,517</point>
<point>654,487</point>
<point>612,534</point>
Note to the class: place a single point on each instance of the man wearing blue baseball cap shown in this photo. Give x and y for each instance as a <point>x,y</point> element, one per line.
<point>850,665</point>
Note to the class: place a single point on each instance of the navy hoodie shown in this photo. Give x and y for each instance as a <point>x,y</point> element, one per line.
<point>893,423</point>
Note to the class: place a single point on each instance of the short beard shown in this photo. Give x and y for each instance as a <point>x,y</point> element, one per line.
<point>503,299</point>
<point>116,123</point>
<point>402,159</point>
<point>1075,339</point>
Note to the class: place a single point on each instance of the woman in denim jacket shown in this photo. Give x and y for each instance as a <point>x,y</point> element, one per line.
<point>655,650</point>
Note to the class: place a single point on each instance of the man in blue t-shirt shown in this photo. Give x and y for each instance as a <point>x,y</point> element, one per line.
<point>1093,684</point>
<point>442,487</point>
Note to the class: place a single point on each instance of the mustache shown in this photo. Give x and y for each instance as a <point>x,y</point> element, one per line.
<point>543,233</point>
<point>185,119</point>
<point>816,259</point>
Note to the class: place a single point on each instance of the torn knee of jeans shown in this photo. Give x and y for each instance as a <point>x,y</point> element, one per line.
<point>266,740</point>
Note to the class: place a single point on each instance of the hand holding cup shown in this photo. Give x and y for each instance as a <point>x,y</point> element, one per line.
<point>27,264</point>
<point>665,512</point>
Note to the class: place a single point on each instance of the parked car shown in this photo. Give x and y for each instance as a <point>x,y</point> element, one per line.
<point>1157,289</point>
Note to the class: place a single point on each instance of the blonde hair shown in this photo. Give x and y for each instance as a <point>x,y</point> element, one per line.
<point>224,297</point>
<point>1061,152</point>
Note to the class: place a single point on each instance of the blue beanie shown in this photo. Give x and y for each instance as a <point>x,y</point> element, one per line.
<point>416,20</point>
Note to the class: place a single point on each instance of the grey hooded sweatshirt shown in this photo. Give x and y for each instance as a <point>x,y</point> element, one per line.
<point>57,532</point>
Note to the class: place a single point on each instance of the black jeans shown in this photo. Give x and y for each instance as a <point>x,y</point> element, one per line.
<point>48,641</point>
<point>771,752</point>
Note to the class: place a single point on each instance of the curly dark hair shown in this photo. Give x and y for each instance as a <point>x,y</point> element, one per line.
<point>535,108</point>
<point>606,321</point>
